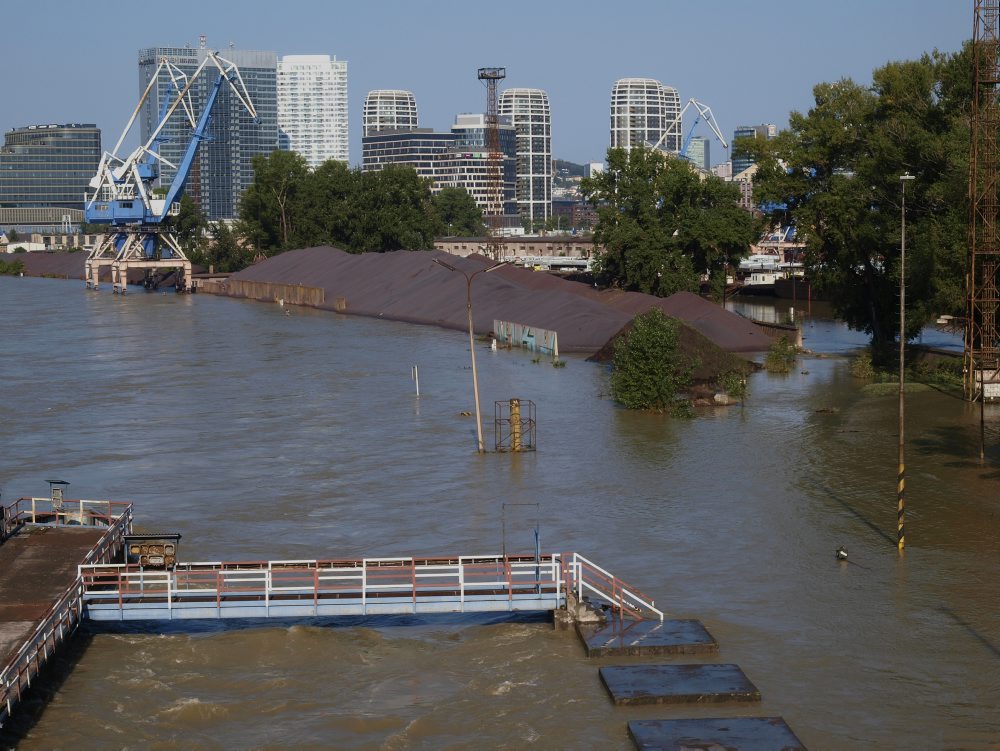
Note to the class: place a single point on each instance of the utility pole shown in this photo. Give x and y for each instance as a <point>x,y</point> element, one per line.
<point>480,448</point>
<point>901,475</point>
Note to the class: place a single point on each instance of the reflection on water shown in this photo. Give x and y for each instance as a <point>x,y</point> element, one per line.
<point>263,435</point>
<point>820,333</point>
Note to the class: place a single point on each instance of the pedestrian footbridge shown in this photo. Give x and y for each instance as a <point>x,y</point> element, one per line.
<point>365,586</point>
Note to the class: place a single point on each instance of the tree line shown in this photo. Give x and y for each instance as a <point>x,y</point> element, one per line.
<point>291,206</point>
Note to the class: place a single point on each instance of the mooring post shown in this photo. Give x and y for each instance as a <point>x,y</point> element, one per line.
<point>415,375</point>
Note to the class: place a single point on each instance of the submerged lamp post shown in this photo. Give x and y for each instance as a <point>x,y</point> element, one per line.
<point>472,345</point>
<point>901,476</point>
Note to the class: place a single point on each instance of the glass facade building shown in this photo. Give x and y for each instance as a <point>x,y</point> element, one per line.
<point>764,131</point>
<point>699,153</point>
<point>529,114</point>
<point>458,159</point>
<point>645,112</point>
<point>223,168</point>
<point>44,166</point>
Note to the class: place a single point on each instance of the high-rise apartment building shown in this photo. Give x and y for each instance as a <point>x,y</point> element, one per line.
<point>764,131</point>
<point>223,168</point>
<point>699,153</point>
<point>645,112</point>
<point>45,166</point>
<point>389,109</point>
<point>528,111</point>
<point>312,107</point>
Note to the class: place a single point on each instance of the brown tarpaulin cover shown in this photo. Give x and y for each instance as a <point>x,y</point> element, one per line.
<point>408,286</point>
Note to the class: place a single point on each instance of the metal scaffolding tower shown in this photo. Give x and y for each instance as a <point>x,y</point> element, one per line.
<point>494,209</point>
<point>982,345</point>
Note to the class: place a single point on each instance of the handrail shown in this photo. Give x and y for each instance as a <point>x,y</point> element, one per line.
<point>34,510</point>
<point>584,574</point>
<point>365,580</point>
<point>468,578</point>
<point>65,614</point>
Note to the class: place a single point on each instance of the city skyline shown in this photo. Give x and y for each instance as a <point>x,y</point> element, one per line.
<point>753,64</point>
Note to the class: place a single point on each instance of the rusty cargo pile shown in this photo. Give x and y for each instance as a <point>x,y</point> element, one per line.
<point>408,286</point>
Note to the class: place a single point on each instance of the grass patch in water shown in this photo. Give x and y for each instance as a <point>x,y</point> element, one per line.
<point>885,389</point>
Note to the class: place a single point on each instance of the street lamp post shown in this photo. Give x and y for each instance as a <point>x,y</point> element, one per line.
<point>472,345</point>
<point>901,475</point>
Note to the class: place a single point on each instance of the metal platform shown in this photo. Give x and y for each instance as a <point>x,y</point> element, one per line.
<point>678,684</point>
<point>744,733</point>
<point>42,545</point>
<point>367,586</point>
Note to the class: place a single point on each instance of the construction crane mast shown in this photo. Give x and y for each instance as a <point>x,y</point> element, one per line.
<point>122,190</point>
<point>495,247</point>
<point>982,334</point>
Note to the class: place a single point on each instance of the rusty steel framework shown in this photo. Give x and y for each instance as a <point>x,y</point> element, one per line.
<point>982,365</point>
<point>494,208</point>
<point>514,425</point>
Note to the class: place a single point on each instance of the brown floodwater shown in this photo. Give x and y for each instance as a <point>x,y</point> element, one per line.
<point>262,432</point>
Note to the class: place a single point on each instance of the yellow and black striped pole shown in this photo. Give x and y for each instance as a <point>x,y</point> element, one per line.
<point>901,472</point>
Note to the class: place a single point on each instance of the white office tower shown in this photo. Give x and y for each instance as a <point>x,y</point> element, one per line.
<point>528,110</point>
<point>312,107</point>
<point>389,110</point>
<point>644,111</point>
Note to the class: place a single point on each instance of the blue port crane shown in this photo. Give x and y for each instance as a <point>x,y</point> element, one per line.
<point>122,193</point>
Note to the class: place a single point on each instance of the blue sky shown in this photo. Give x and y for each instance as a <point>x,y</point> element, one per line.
<point>72,61</point>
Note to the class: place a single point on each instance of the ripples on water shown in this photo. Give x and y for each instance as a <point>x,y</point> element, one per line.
<point>258,434</point>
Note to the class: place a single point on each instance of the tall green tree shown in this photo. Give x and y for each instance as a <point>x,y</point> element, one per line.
<point>327,206</point>
<point>393,211</point>
<point>190,227</point>
<point>226,252</point>
<point>835,174</point>
<point>459,213</point>
<point>661,225</point>
<point>268,206</point>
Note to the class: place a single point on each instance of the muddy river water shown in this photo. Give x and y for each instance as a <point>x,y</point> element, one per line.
<point>261,432</point>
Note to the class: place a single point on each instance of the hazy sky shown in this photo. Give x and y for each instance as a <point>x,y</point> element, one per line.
<point>751,62</point>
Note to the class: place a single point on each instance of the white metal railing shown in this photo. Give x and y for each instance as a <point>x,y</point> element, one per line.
<point>462,579</point>
<point>66,512</point>
<point>583,575</point>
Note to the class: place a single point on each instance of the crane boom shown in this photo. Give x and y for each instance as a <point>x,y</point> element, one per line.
<point>123,195</point>
<point>704,111</point>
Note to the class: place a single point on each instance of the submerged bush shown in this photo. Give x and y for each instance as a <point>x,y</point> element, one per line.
<point>781,356</point>
<point>649,370</point>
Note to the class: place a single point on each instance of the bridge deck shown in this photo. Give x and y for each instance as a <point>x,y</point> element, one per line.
<point>37,565</point>
<point>43,543</point>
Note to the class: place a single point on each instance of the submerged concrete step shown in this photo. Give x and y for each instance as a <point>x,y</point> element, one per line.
<point>743,733</point>
<point>674,637</point>
<point>678,684</point>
